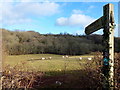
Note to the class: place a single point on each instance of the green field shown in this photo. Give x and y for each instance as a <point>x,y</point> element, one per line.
<point>71,71</point>
<point>57,63</point>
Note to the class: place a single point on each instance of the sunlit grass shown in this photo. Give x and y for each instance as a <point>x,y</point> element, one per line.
<point>57,63</point>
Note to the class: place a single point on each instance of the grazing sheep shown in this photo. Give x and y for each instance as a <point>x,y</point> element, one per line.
<point>66,56</point>
<point>63,56</point>
<point>89,58</point>
<point>50,58</point>
<point>43,58</point>
<point>80,58</point>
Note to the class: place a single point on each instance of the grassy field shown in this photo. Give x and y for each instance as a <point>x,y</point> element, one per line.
<point>57,63</point>
<point>29,71</point>
<point>71,71</point>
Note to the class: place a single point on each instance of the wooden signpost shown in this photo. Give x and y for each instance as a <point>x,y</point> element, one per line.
<point>107,23</point>
<point>96,25</point>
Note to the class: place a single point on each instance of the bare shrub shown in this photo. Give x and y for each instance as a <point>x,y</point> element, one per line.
<point>93,71</point>
<point>14,77</point>
<point>117,70</point>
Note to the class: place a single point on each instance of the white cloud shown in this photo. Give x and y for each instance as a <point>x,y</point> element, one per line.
<point>26,0</point>
<point>17,1</point>
<point>21,12</point>
<point>6,0</point>
<point>62,21</point>
<point>79,20</point>
<point>42,9</point>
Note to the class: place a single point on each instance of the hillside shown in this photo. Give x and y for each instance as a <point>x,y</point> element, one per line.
<point>31,42</point>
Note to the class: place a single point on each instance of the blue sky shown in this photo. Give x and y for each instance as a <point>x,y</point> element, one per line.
<point>52,17</point>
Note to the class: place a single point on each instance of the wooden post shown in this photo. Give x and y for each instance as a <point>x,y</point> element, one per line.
<point>108,41</point>
<point>107,23</point>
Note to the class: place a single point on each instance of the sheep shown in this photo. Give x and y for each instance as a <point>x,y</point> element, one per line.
<point>80,58</point>
<point>43,58</point>
<point>50,58</point>
<point>89,58</point>
<point>66,56</point>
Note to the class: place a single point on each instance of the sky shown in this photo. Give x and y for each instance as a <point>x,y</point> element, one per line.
<point>52,17</point>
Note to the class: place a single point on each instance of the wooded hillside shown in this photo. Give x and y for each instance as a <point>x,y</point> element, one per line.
<point>31,42</point>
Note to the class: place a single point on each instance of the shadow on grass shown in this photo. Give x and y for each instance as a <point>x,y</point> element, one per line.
<point>51,79</point>
<point>69,79</point>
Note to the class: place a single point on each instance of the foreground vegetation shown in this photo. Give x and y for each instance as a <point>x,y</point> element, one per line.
<point>23,72</point>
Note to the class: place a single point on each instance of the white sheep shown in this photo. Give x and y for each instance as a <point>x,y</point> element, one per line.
<point>50,58</point>
<point>63,56</point>
<point>80,58</point>
<point>43,58</point>
<point>66,56</point>
<point>89,58</point>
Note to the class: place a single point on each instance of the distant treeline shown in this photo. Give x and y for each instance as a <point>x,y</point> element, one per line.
<point>30,42</point>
